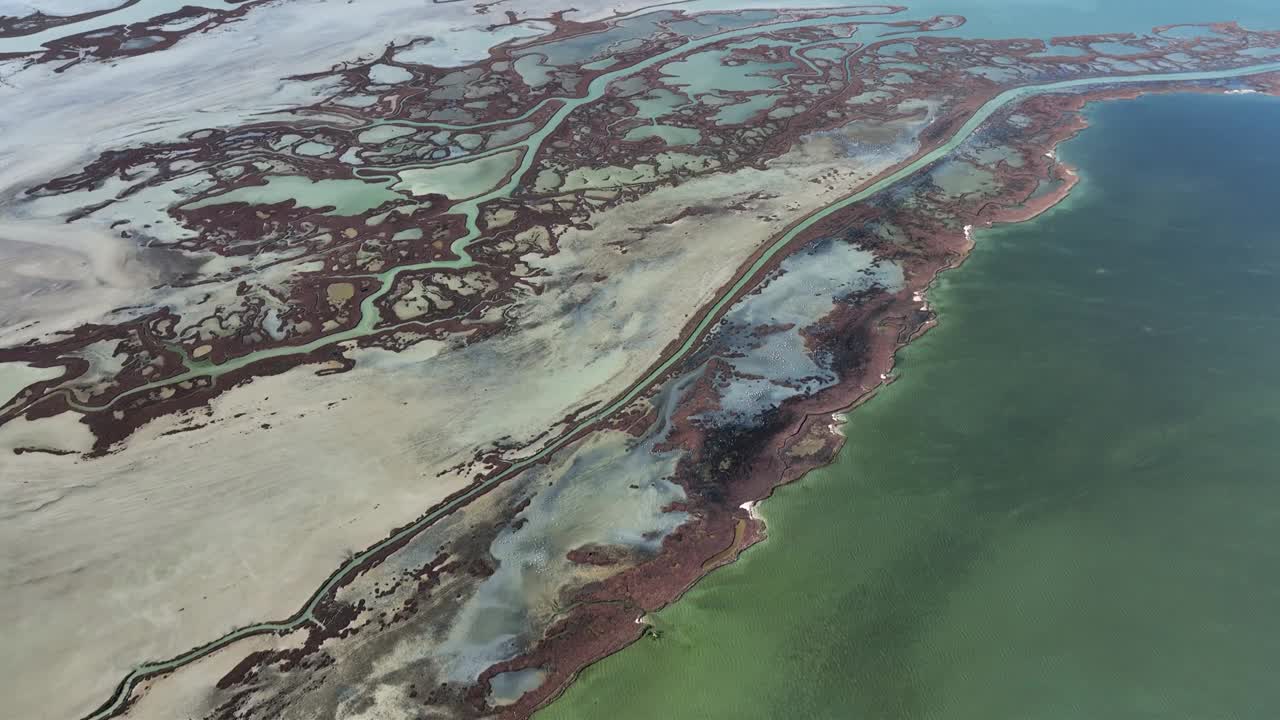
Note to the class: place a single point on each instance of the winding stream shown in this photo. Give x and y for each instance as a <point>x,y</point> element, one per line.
<point>124,14</point>
<point>470,210</point>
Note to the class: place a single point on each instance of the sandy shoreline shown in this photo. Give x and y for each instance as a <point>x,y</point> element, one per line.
<point>427,489</point>
<point>828,421</point>
<point>727,531</point>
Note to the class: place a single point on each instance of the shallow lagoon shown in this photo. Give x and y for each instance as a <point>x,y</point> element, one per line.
<point>1067,505</point>
<point>1050,18</point>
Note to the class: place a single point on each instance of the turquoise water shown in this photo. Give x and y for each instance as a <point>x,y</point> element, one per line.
<point>1050,18</point>
<point>987,18</point>
<point>1068,507</point>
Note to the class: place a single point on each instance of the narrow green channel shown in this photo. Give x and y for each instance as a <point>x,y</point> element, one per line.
<point>470,209</point>
<point>1069,504</point>
<point>116,702</point>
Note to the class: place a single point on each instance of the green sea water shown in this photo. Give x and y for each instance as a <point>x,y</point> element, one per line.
<point>1067,507</point>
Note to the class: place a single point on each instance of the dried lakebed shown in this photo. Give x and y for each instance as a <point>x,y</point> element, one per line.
<point>712,315</point>
<point>459,254</point>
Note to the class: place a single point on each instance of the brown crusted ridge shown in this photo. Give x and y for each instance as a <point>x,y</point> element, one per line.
<point>794,440</point>
<point>111,42</point>
<point>21,26</point>
<point>608,615</point>
<point>312,312</point>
